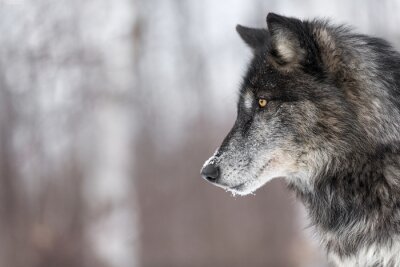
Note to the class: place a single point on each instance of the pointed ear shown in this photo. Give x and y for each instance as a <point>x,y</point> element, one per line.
<point>255,38</point>
<point>287,43</point>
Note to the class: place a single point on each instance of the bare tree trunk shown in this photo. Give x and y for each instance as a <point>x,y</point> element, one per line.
<point>65,134</point>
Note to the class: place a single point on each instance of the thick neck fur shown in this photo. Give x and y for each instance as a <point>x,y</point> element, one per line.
<point>358,204</point>
<point>368,70</point>
<point>355,204</point>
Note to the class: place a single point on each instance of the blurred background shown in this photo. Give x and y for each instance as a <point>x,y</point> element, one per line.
<point>108,109</point>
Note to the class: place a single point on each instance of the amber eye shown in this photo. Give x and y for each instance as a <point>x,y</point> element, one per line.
<point>262,102</point>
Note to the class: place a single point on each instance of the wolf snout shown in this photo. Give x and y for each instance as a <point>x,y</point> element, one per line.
<point>210,172</point>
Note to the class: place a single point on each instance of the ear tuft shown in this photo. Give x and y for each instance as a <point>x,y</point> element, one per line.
<point>285,38</point>
<point>255,38</point>
<point>276,20</point>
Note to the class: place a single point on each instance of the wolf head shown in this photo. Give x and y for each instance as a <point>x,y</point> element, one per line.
<point>301,111</point>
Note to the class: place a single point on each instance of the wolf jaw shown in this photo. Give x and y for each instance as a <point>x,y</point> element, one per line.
<point>331,128</point>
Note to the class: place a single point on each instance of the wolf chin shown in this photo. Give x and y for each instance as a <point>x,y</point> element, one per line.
<point>320,107</point>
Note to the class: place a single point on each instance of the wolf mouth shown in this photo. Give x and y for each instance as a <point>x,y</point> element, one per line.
<point>242,186</point>
<point>238,187</point>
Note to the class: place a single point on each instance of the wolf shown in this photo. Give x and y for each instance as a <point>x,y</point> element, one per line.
<point>319,106</point>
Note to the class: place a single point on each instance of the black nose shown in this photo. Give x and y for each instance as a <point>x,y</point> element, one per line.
<point>210,172</point>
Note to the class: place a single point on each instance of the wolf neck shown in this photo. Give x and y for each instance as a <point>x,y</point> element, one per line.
<point>371,85</point>
<point>357,205</point>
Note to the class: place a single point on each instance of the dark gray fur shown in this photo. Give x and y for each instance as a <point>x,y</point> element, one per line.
<point>334,111</point>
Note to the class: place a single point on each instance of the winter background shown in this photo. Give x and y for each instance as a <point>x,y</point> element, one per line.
<point>108,109</point>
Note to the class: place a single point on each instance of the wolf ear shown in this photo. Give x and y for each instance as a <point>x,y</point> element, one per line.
<point>255,38</point>
<point>288,39</point>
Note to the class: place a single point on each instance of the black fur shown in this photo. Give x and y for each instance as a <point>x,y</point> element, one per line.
<point>333,123</point>
<point>357,202</point>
